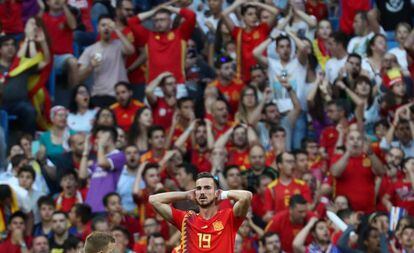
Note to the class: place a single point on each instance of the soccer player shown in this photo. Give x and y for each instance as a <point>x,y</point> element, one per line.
<point>211,229</point>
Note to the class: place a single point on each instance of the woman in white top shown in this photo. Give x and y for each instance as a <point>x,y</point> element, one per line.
<point>401,34</point>
<point>376,49</point>
<point>81,115</point>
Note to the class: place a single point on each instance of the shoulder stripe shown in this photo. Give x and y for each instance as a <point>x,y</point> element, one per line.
<point>273,184</point>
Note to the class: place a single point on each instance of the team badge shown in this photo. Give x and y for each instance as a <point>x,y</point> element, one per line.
<point>157,37</point>
<point>217,225</point>
<point>171,36</point>
<point>366,162</point>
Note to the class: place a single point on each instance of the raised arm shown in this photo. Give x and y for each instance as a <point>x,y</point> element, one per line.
<point>149,90</point>
<point>293,114</point>
<point>179,143</point>
<point>127,47</point>
<point>378,167</point>
<point>373,22</point>
<point>136,189</point>
<point>339,166</point>
<point>226,14</point>
<point>224,138</point>
<point>302,48</point>
<point>161,202</point>
<point>210,135</point>
<point>273,10</point>
<point>259,50</point>
<point>101,158</point>
<point>299,241</point>
<point>41,39</point>
<point>83,166</point>
<point>70,18</point>
<point>243,200</point>
<point>310,20</point>
<point>256,115</point>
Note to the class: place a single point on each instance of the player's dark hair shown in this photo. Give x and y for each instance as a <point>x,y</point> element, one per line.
<point>127,85</point>
<point>45,201</point>
<point>154,129</point>
<point>105,199</point>
<point>208,175</point>
<point>298,152</point>
<point>297,199</point>
<point>162,11</point>
<point>97,241</point>
<point>313,229</point>
<point>17,214</point>
<point>305,141</point>
<point>182,100</point>
<point>267,105</point>
<point>230,167</point>
<point>29,169</point>
<point>84,211</point>
<point>410,226</point>
<point>189,169</point>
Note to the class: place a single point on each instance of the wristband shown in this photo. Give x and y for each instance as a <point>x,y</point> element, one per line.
<point>224,194</point>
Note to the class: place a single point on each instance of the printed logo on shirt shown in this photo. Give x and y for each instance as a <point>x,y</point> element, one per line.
<point>394,5</point>
<point>162,112</point>
<point>171,36</point>
<point>217,225</point>
<point>366,162</point>
<point>256,35</point>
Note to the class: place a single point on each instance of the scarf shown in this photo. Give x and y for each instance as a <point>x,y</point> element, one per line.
<point>59,199</point>
<point>14,207</point>
<point>321,52</point>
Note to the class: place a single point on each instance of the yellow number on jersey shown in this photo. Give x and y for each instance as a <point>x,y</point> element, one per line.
<point>204,241</point>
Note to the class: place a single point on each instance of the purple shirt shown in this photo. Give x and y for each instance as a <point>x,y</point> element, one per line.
<point>104,181</point>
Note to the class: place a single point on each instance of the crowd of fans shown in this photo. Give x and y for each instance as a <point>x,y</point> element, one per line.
<point>307,104</point>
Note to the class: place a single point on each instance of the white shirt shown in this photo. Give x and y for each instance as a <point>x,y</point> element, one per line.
<point>81,122</point>
<point>332,68</point>
<point>297,77</point>
<point>401,55</point>
<point>358,44</point>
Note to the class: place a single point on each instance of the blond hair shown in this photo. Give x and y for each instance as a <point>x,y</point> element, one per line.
<point>97,241</point>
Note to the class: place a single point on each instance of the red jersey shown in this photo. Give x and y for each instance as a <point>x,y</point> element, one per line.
<point>328,139</point>
<point>126,115</point>
<point>277,195</point>
<point>149,157</point>
<point>166,51</point>
<point>145,209</point>
<point>357,175</point>
<point>402,195</point>
<point>84,7</point>
<point>201,160</point>
<point>60,33</point>
<point>11,16</point>
<point>246,42</point>
<point>137,76</point>
<point>162,113</point>
<point>239,158</point>
<point>287,231</point>
<point>258,202</point>
<point>214,235</point>
<point>9,247</point>
<point>231,92</point>
<point>349,9</point>
<point>319,10</point>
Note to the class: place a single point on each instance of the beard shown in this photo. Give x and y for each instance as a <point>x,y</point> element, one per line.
<point>205,205</point>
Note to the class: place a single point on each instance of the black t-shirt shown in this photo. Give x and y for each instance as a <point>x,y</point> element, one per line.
<point>394,12</point>
<point>55,247</point>
<point>15,88</point>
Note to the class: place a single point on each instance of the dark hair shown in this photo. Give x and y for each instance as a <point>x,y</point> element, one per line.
<point>406,160</point>
<point>123,83</point>
<point>104,16</point>
<point>276,129</point>
<point>305,141</point>
<point>382,122</point>
<point>245,7</point>
<point>134,131</point>
<point>313,229</point>
<point>267,105</point>
<point>60,212</point>
<point>182,100</point>
<point>297,199</point>
<point>299,152</point>
<point>84,211</point>
<point>366,232</point>
<point>108,129</point>
<point>365,79</point>
<point>280,38</point>
<point>410,222</point>
<point>154,129</point>
<point>267,235</point>
<point>189,169</point>
<point>148,167</point>
<point>28,169</point>
<point>68,173</point>
<point>45,200</point>
<point>17,159</point>
<point>98,115</point>
<point>18,214</point>
<point>279,157</point>
<point>105,199</point>
<point>71,243</point>
<point>340,103</point>
<point>123,230</point>
<point>354,55</point>
<point>208,175</point>
<point>5,192</point>
<point>340,38</point>
<point>372,42</point>
<point>73,106</point>
<point>98,219</point>
<point>6,38</point>
<point>230,167</point>
<point>345,213</point>
<point>364,15</point>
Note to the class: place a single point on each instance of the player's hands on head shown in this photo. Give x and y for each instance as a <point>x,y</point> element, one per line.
<point>191,195</point>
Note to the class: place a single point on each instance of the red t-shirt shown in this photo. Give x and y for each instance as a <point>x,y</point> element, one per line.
<point>349,8</point>
<point>246,42</point>
<point>145,209</point>
<point>357,175</point>
<point>11,16</point>
<point>239,158</point>
<point>201,160</point>
<point>328,139</point>
<point>231,92</point>
<point>320,11</point>
<point>287,231</point>
<point>9,247</point>
<point>60,33</point>
<point>402,195</point>
<point>166,51</point>
<point>125,115</point>
<point>214,235</point>
<point>277,195</point>
<point>162,113</point>
<point>85,7</point>
<point>137,76</point>
<point>258,202</point>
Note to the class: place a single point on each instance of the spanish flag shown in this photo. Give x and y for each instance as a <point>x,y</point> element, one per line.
<point>38,94</point>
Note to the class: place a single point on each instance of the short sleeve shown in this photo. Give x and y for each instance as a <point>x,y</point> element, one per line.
<point>235,32</point>
<point>85,57</point>
<point>117,161</point>
<point>177,217</point>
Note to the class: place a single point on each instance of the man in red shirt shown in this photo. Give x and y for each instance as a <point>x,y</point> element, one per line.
<point>156,135</point>
<point>125,107</point>
<point>356,169</point>
<point>11,19</point>
<point>183,117</point>
<point>251,35</point>
<point>212,229</point>
<point>288,223</point>
<point>165,47</point>
<point>162,106</point>
<point>279,192</point>
<point>220,117</point>
<point>16,241</point>
<point>60,23</point>
<point>70,194</point>
<point>227,83</point>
